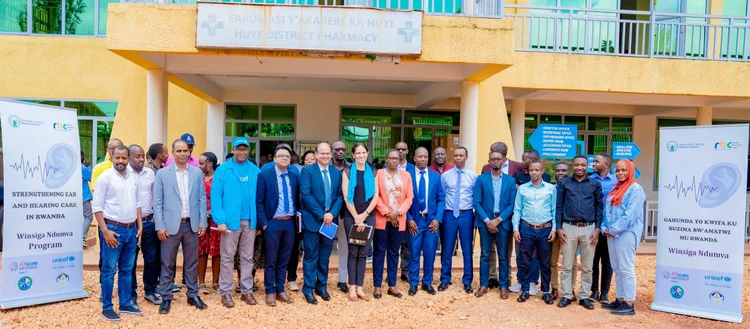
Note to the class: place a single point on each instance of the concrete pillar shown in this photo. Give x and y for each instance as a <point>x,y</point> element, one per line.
<point>215,129</point>
<point>517,124</point>
<point>705,116</point>
<point>469,120</point>
<point>157,85</point>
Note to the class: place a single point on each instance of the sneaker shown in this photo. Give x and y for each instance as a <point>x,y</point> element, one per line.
<point>154,299</point>
<point>176,288</point>
<point>516,287</point>
<point>130,310</point>
<point>111,316</point>
<point>532,289</point>
<point>369,259</point>
<point>134,303</point>
<point>85,245</point>
<point>624,309</point>
<point>293,286</point>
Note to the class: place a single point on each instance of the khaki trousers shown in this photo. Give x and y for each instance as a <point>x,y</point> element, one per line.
<point>577,236</point>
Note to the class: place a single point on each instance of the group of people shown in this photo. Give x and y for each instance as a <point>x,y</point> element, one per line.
<point>410,208</point>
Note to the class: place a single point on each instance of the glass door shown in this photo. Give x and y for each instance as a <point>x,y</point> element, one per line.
<point>673,36</point>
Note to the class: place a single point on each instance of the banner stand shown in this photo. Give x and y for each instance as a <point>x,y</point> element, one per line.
<point>42,260</point>
<point>681,309</point>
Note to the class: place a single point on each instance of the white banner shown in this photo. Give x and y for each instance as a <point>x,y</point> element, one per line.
<point>42,253</point>
<point>701,236</point>
<point>315,28</point>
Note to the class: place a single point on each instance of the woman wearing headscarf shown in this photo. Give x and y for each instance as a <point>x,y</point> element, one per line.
<point>623,226</point>
<point>360,195</point>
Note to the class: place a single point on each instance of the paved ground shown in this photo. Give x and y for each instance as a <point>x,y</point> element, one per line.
<point>449,309</point>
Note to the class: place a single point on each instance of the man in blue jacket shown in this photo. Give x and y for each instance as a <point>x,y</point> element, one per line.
<point>277,202</point>
<point>233,211</point>
<point>494,196</point>
<point>321,201</point>
<point>423,221</point>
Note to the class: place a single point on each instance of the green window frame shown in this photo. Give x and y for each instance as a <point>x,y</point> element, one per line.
<point>86,18</point>
<point>260,121</point>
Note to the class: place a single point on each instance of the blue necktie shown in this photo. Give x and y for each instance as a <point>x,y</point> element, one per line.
<point>286,193</point>
<point>421,192</point>
<point>457,196</point>
<point>327,185</point>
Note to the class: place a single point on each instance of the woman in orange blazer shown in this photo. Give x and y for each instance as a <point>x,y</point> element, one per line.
<point>395,195</point>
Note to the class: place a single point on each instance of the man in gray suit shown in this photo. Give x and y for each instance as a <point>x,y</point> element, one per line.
<point>179,217</point>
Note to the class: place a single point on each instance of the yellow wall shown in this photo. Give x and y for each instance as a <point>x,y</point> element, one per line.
<point>83,69</point>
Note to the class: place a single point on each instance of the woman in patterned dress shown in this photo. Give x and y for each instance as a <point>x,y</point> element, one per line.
<point>209,243</point>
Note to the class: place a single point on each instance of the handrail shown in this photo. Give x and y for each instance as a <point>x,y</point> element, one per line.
<point>623,11</point>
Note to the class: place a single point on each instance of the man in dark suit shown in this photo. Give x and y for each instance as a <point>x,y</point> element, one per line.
<point>510,168</point>
<point>494,196</point>
<point>179,217</point>
<point>321,200</point>
<point>403,151</point>
<point>277,204</point>
<point>423,221</point>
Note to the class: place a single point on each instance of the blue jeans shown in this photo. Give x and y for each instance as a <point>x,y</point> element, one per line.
<point>461,227</point>
<point>423,242</point>
<point>500,240</point>
<point>534,274</point>
<point>150,246</point>
<point>388,240</point>
<point>535,240</point>
<point>118,259</point>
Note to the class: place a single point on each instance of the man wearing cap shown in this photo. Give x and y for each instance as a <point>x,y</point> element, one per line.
<point>193,161</point>
<point>233,211</point>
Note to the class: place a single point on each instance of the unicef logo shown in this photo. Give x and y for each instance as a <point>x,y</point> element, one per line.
<point>13,267</point>
<point>15,121</point>
<point>63,279</point>
<point>677,292</point>
<point>716,297</point>
<point>727,279</point>
<point>672,146</point>
<point>24,283</point>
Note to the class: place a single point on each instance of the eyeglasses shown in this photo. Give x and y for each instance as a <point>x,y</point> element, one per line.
<point>324,153</point>
<point>401,149</point>
<point>340,149</point>
<point>283,156</point>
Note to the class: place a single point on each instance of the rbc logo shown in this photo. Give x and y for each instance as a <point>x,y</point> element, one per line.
<point>61,126</point>
<point>723,145</point>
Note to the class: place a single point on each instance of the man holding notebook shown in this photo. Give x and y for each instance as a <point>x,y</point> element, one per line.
<point>321,200</point>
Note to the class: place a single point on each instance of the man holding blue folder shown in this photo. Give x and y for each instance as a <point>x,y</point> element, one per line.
<point>321,200</point>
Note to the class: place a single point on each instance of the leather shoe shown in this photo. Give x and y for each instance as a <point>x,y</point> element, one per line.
<point>604,298</point>
<point>283,297</point>
<point>467,289</point>
<point>412,290</point>
<point>523,297</point>
<point>586,304</point>
<point>343,287</point>
<point>554,293</point>
<point>480,292</point>
<point>323,294</point>
<point>404,277</point>
<point>428,288</point>
<point>443,286</point>
<point>271,299</point>
<point>197,302</point>
<point>227,300</point>
<point>165,306</point>
<point>563,302</point>
<point>493,283</point>
<point>594,296</point>
<point>547,298</point>
<point>504,293</point>
<point>395,294</point>
<point>249,299</point>
<point>311,299</point>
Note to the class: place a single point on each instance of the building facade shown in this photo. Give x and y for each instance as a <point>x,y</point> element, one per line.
<point>488,70</point>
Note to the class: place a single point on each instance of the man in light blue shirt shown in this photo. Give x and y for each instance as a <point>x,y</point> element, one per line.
<point>602,174</point>
<point>534,228</point>
<point>458,219</point>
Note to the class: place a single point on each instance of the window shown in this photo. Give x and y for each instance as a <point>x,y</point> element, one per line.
<point>95,122</point>
<point>596,133</point>
<point>733,40</point>
<point>57,17</point>
<point>260,121</point>
<point>381,129</point>
<point>662,122</point>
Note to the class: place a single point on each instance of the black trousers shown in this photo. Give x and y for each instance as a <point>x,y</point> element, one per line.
<point>601,255</point>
